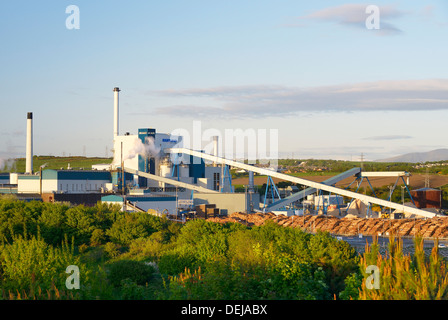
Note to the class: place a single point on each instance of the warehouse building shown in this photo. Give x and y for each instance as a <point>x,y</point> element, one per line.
<point>64,181</point>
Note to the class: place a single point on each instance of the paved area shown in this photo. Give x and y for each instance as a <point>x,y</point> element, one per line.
<point>408,244</point>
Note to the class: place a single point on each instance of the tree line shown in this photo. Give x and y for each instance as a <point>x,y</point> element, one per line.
<point>138,256</point>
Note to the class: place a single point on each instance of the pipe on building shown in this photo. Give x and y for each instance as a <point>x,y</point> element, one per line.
<point>251,182</point>
<point>215,148</point>
<point>29,143</point>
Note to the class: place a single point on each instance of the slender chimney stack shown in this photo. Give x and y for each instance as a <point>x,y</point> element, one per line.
<point>215,148</point>
<point>29,143</point>
<point>116,93</point>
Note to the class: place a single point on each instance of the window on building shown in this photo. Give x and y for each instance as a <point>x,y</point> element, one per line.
<point>216,181</point>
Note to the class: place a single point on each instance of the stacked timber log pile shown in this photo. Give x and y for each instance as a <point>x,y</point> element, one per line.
<point>348,226</point>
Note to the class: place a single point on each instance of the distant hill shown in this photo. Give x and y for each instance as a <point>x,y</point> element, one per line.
<point>414,157</point>
<point>53,162</point>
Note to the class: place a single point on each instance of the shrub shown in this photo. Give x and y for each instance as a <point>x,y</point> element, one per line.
<point>98,237</point>
<point>32,263</point>
<point>130,226</point>
<point>405,277</point>
<point>175,261</point>
<point>80,224</point>
<point>112,249</point>
<point>135,271</point>
<point>130,290</point>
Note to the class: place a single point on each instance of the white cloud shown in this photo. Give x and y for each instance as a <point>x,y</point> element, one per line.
<point>259,101</point>
<point>354,16</point>
<point>390,137</point>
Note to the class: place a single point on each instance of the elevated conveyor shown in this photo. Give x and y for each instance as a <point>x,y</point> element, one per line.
<point>316,185</point>
<point>170,181</point>
<point>302,194</point>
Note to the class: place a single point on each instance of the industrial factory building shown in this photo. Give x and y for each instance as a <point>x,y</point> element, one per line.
<point>64,181</point>
<point>142,176</point>
<point>152,172</point>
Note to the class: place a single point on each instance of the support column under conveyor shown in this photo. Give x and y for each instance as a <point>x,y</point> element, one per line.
<point>302,194</point>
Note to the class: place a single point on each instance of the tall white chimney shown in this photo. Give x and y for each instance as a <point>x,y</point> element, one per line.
<point>116,91</point>
<point>29,143</point>
<point>215,148</point>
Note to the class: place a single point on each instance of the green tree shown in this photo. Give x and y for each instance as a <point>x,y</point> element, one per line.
<point>135,271</point>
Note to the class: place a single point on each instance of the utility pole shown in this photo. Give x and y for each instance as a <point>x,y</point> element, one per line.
<point>390,200</point>
<point>362,161</point>
<point>402,194</point>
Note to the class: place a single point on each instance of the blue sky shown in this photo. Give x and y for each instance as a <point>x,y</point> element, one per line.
<point>311,69</point>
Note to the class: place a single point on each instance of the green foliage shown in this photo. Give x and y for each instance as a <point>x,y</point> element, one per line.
<point>130,226</point>
<point>135,271</point>
<point>98,237</point>
<point>337,258</point>
<point>177,260</point>
<point>31,263</point>
<point>130,290</point>
<point>352,284</point>
<point>405,277</point>
<point>267,262</point>
<point>112,249</point>
<point>197,260</point>
<point>79,223</point>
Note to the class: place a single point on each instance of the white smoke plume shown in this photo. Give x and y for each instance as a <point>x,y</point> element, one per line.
<point>147,149</point>
<point>7,164</point>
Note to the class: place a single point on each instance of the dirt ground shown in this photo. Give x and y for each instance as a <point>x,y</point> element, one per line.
<point>416,181</point>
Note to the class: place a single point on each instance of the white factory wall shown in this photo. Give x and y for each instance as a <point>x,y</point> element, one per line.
<point>157,205</point>
<point>28,184</point>
<point>77,186</point>
<point>228,203</point>
<point>205,183</point>
<point>153,205</point>
<point>13,178</point>
<point>32,185</point>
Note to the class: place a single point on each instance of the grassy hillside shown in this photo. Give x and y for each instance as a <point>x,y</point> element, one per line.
<point>52,162</point>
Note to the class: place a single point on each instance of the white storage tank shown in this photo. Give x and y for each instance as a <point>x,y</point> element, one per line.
<point>165,170</point>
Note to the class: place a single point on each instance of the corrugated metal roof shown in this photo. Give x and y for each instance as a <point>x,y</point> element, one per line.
<point>118,198</point>
<point>427,189</point>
